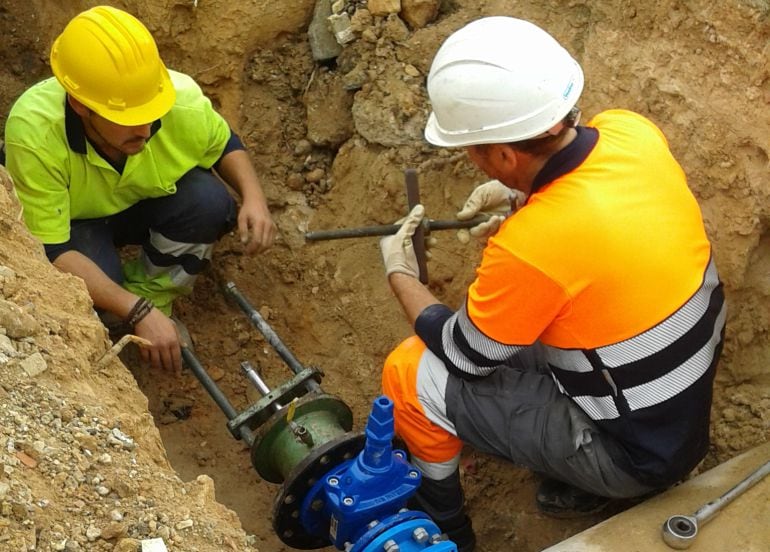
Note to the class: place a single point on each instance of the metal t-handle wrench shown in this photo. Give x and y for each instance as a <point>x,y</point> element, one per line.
<point>680,531</point>
<point>418,239</point>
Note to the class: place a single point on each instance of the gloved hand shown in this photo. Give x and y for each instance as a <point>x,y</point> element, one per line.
<point>491,198</point>
<point>398,251</point>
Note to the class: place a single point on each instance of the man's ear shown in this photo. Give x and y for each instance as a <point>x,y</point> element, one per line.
<point>507,156</point>
<point>78,107</point>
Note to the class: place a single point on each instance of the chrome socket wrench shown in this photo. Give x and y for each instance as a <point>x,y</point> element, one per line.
<point>679,531</point>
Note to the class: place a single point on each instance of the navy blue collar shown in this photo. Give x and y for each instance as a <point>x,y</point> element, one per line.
<point>76,132</point>
<point>567,159</point>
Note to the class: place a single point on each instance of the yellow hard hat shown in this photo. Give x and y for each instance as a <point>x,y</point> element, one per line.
<point>107,60</point>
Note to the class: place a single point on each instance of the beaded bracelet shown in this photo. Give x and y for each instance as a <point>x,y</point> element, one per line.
<point>141,308</point>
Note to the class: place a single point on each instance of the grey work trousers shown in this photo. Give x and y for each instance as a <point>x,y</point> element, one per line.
<point>519,413</point>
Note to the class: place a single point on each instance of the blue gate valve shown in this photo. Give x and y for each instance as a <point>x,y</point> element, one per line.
<point>350,488</point>
<point>365,498</point>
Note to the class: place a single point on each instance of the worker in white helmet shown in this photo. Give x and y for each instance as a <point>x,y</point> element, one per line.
<point>587,344</point>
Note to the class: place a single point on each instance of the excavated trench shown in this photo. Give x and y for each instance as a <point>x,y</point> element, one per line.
<point>332,142</point>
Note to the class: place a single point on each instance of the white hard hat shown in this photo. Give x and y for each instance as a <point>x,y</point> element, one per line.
<point>498,80</point>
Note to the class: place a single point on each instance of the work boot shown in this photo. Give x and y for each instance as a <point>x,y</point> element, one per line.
<point>561,500</point>
<point>444,502</point>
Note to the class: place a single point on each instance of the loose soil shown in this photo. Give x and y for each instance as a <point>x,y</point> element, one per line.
<point>99,453</point>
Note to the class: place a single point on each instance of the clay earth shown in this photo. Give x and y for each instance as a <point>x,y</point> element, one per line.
<point>100,453</point>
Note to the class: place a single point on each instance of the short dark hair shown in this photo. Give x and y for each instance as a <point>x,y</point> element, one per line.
<point>540,146</point>
<point>547,144</point>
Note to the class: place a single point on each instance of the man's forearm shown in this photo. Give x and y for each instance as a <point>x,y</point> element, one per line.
<point>236,169</point>
<point>255,224</point>
<point>413,296</point>
<point>105,293</point>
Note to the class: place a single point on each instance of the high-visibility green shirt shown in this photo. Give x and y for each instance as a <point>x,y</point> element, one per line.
<point>59,176</point>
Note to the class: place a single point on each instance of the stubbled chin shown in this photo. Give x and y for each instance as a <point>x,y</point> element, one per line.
<point>131,149</point>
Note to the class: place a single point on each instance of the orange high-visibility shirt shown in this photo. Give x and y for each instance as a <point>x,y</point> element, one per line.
<point>600,254</point>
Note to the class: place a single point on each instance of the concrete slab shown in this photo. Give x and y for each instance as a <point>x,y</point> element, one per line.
<point>743,525</point>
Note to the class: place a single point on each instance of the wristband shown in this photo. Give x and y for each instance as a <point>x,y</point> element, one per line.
<point>141,308</point>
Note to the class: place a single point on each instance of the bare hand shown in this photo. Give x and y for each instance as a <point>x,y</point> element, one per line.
<point>256,227</point>
<point>161,331</point>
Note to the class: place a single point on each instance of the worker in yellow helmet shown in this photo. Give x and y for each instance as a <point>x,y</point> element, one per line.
<point>115,149</point>
<point>587,345</point>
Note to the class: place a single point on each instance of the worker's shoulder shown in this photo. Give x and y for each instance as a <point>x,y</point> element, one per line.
<point>183,81</point>
<point>44,98</point>
<point>37,115</point>
<point>622,118</point>
<point>626,122</point>
<point>188,91</point>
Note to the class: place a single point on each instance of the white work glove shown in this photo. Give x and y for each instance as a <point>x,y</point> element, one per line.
<point>490,198</point>
<point>398,250</point>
